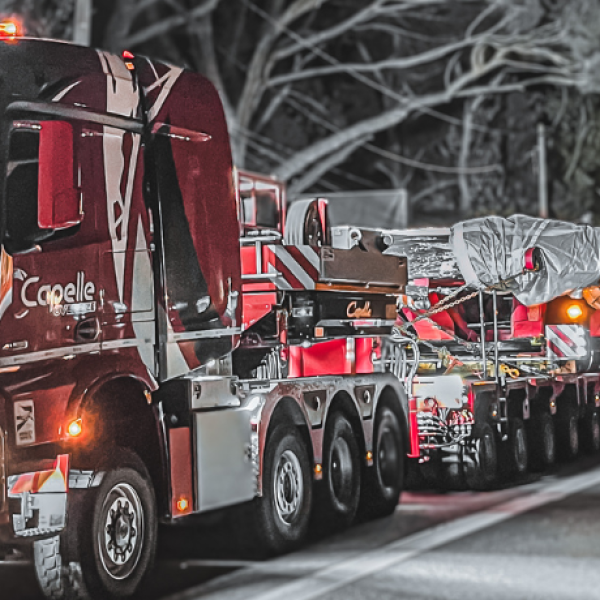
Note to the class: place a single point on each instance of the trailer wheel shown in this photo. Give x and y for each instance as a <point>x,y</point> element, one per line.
<point>568,434</point>
<point>280,518</point>
<point>542,444</point>
<point>341,472</point>
<point>110,540</point>
<point>384,480</point>
<point>453,472</point>
<point>303,224</point>
<point>591,432</point>
<point>482,465</point>
<point>431,472</point>
<point>517,447</point>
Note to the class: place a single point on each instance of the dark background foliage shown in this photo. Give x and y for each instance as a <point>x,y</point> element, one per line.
<point>442,98</point>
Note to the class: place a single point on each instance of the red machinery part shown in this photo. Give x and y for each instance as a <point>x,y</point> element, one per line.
<point>533,259</point>
<point>415,451</point>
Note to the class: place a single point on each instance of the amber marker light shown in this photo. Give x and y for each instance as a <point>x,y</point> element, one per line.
<point>182,504</point>
<point>10,29</point>
<point>75,428</point>
<point>128,58</point>
<point>574,311</point>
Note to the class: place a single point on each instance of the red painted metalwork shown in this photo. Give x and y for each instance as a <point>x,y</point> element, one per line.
<point>256,306</point>
<point>527,321</point>
<point>530,263</point>
<point>180,446</point>
<point>51,480</point>
<point>364,355</point>
<point>415,451</point>
<point>332,357</point>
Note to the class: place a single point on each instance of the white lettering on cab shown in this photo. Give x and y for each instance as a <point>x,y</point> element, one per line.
<point>79,291</point>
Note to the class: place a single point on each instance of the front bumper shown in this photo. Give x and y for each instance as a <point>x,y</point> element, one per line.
<point>37,502</point>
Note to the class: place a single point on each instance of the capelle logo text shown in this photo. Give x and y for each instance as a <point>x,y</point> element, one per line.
<point>73,298</point>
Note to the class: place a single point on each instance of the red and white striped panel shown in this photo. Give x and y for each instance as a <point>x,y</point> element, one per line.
<point>565,342</point>
<point>294,267</point>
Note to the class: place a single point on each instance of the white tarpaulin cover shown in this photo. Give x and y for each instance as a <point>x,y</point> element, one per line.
<point>491,250</point>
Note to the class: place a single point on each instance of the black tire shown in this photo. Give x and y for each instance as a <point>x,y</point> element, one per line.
<point>109,545</point>
<point>279,519</point>
<point>542,441</point>
<point>57,580</point>
<point>453,472</point>
<point>341,472</point>
<point>431,472</point>
<point>385,479</point>
<point>567,431</point>
<point>480,466</point>
<point>518,454</point>
<point>590,432</point>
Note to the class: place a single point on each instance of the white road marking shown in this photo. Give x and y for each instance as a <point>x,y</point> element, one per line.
<point>335,576</point>
<point>347,572</point>
<point>202,563</point>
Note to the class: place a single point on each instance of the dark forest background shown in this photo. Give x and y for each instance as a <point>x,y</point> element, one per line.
<point>441,97</point>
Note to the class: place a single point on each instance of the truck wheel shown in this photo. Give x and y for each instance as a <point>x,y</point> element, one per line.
<point>431,471</point>
<point>568,435</point>
<point>481,470</point>
<point>341,472</point>
<point>57,581</point>
<point>281,516</point>
<point>591,432</point>
<point>542,444</point>
<point>110,541</point>
<point>454,473</point>
<point>384,480</point>
<point>517,447</point>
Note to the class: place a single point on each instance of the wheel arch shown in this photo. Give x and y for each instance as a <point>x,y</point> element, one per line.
<point>118,413</point>
<point>288,411</point>
<point>390,398</point>
<point>343,403</point>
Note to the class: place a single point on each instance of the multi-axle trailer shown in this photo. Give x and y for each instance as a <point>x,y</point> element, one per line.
<point>497,343</point>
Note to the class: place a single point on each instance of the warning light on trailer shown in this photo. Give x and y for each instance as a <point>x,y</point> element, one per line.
<point>11,29</point>
<point>182,504</point>
<point>574,311</point>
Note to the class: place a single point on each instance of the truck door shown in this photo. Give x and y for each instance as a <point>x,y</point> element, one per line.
<point>126,258</point>
<point>199,228</point>
<point>50,318</point>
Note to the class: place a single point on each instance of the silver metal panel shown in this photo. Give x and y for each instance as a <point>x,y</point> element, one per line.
<point>224,467</point>
<point>447,390</point>
<point>212,392</point>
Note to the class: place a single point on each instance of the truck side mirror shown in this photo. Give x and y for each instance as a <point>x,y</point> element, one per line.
<point>59,200</point>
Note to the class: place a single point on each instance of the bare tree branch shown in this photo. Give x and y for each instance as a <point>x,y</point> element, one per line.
<point>407,62</point>
<point>323,167</point>
<point>166,25</point>
<point>328,34</point>
<point>255,77</point>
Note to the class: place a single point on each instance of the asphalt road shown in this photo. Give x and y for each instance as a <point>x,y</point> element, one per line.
<point>537,539</point>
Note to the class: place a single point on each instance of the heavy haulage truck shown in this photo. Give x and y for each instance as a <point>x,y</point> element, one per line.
<point>170,343</point>
<point>498,343</point>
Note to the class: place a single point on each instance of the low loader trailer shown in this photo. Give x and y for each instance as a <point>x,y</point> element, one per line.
<point>497,344</point>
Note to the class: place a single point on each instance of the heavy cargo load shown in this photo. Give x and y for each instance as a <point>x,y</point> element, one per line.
<point>497,344</point>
